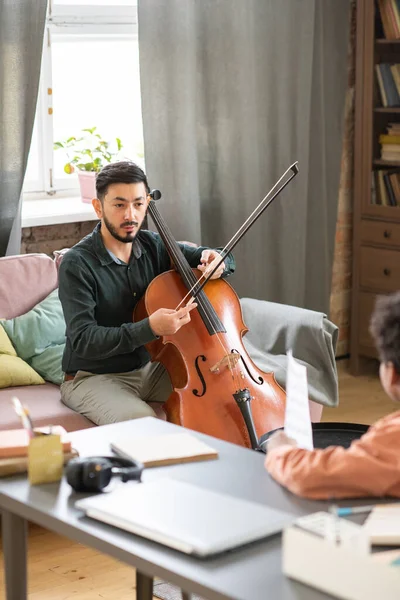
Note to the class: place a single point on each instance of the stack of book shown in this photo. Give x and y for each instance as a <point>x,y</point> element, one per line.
<point>390,16</point>
<point>390,143</point>
<point>14,444</point>
<point>388,76</point>
<point>386,183</point>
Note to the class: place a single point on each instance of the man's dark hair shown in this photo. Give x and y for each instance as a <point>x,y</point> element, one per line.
<point>385,328</point>
<point>119,172</point>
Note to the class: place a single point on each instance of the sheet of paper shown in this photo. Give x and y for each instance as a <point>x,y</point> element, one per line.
<point>297,415</point>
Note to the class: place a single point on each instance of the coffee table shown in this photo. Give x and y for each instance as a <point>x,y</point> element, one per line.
<point>248,573</point>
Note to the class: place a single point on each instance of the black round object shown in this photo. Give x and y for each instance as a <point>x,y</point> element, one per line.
<point>327,434</point>
<point>94,473</point>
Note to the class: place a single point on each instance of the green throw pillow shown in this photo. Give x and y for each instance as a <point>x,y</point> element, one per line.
<point>48,363</point>
<point>36,330</point>
<point>38,337</point>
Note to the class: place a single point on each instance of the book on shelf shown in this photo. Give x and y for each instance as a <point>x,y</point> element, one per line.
<point>389,11</point>
<point>391,139</point>
<point>395,183</point>
<point>395,71</point>
<point>390,157</point>
<point>385,189</point>
<point>390,144</point>
<point>374,199</point>
<point>393,129</point>
<point>390,94</point>
<point>382,197</point>
<point>390,192</point>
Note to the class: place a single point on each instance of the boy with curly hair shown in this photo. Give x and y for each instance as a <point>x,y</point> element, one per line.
<point>371,466</point>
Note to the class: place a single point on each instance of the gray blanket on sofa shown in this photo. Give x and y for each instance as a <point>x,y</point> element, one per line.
<point>275,328</point>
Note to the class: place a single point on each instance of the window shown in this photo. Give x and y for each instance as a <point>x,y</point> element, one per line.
<point>89,78</point>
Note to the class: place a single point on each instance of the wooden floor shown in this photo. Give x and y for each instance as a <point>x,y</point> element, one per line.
<point>63,570</point>
<point>362,399</point>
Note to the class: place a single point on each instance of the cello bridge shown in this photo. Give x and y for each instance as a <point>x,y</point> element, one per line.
<point>229,360</point>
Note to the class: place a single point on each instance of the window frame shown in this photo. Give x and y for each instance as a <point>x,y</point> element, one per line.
<point>83,20</point>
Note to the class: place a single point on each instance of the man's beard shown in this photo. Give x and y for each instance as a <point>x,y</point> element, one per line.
<point>128,237</point>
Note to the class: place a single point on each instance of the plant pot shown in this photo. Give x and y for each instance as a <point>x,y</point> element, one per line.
<point>87,183</point>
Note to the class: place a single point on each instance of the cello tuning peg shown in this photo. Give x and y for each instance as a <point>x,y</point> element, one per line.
<point>155,194</point>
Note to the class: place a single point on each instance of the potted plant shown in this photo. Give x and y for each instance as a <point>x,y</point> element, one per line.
<point>87,155</point>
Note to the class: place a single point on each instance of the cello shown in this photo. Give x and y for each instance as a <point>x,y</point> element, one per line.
<point>217,389</point>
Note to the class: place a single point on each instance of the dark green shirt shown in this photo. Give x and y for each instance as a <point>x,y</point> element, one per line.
<point>98,294</point>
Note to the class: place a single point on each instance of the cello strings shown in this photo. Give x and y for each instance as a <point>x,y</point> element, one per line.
<point>178,257</point>
<point>254,215</point>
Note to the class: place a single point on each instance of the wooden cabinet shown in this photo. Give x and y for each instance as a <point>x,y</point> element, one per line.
<point>380,233</point>
<point>376,233</point>
<point>379,269</point>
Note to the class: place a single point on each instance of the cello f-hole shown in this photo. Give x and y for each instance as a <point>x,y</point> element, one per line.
<point>259,380</point>
<point>200,374</point>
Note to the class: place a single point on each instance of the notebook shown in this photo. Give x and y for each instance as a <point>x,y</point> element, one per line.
<point>14,442</point>
<point>184,516</point>
<point>383,525</point>
<point>166,449</point>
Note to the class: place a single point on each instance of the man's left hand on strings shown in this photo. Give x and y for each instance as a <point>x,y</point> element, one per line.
<point>210,258</point>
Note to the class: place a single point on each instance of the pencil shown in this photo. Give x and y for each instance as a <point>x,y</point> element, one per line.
<point>353,510</point>
<point>23,414</point>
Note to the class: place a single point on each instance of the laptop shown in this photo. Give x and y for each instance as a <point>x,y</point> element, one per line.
<point>184,516</point>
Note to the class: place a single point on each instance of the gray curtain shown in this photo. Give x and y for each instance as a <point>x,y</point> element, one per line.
<point>21,39</point>
<point>233,92</point>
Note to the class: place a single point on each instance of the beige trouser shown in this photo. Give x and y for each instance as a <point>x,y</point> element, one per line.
<point>115,397</point>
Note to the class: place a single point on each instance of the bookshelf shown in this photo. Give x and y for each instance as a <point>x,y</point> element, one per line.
<point>376,219</point>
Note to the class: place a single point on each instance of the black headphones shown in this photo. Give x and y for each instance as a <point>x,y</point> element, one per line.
<point>94,473</point>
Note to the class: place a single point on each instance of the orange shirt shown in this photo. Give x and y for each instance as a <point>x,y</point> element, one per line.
<point>370,467</point>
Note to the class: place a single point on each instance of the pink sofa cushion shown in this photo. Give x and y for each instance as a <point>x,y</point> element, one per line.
<point>25,280</point>
<point>45,407</point>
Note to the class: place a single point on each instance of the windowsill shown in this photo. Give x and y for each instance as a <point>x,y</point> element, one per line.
<point>54,211</point>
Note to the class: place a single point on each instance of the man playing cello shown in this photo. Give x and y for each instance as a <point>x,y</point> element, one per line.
<point>108,373</point>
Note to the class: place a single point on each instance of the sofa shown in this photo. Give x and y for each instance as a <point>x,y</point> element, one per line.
<point>27,279</point>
